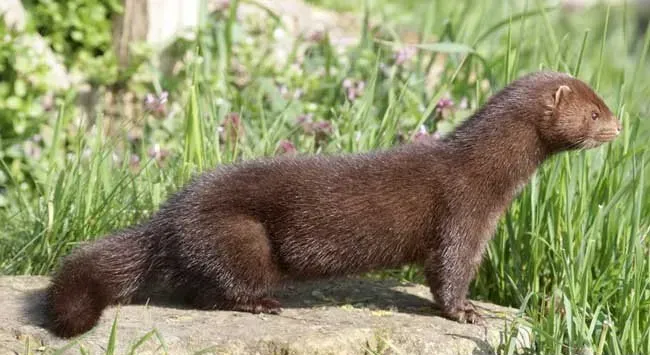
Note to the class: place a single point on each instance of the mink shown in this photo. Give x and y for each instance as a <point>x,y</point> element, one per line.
<point>232,235</point>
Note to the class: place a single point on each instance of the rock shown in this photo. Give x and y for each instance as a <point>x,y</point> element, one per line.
<point>348,316</point>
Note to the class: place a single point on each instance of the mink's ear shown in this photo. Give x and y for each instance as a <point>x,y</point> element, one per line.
<point>560,95</point>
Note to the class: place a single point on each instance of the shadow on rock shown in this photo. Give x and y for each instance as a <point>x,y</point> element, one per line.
<point>354,292</point>
<point>34,308</point>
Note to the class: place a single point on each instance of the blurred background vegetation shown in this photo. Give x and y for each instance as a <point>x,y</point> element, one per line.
<point>101,117</point>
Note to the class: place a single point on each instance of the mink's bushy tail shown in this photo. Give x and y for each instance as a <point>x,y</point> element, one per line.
<point>105,272</point>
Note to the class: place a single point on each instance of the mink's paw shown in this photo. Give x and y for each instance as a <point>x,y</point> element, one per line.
<point>466,313</point>
<point>269,305</point>
<point>262,305</point>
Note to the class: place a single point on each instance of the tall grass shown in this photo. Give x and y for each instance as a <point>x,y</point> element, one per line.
<point>572,251</point>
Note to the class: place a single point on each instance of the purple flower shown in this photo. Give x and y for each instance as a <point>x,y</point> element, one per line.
<point>310,127</point>
<point>353,89</point>
<point>158,153</point>
<point>444,107</point>
<point>232,127</point>
<point>423,136</point>
<point>134,162</point>
<point>404,54</point>
<point>305,121</point>
<point>323,127</point>
<point>286,147</point>
<point>156,104</point>
<point>444,103</point>
<point>321,130</point>
<point>316,36</point>
<point>149,100</point>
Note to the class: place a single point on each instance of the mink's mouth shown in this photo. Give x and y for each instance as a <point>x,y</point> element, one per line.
<point>588,143</point>
<point>598,139</point>
<point>606,136</point>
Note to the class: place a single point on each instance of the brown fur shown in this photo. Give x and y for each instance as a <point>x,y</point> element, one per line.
<point>233,234</point>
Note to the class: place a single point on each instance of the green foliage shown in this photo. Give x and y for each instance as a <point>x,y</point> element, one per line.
<point>80,30</point>
<point>36,71</point>
<point>24,83</point>
<point>27,100</point>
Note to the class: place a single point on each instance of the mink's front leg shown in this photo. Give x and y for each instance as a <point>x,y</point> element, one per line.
<point>449,270</point>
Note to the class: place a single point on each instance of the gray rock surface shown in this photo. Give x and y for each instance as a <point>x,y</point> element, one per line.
<point>348,316</point>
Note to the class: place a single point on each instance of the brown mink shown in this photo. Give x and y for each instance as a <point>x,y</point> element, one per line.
<point>233,234</point>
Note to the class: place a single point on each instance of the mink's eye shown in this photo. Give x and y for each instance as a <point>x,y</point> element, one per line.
<point>594,115</point>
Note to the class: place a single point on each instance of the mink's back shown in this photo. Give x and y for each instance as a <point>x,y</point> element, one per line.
<point>323,215</point>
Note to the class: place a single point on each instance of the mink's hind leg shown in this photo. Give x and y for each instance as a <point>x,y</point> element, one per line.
<point>449,273</point>
<point>235,269</point>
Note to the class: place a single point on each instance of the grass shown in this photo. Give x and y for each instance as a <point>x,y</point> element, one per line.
<point>573,250</point>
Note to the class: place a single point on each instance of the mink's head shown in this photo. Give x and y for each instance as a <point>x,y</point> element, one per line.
<point>575,117</point>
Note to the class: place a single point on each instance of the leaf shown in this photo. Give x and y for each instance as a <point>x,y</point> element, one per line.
<point>20,88</point>
<point>446,47</point>
<point>510,20</point>
<point>441,47</point>
<point>77,35</point>
<point>14,103</point>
